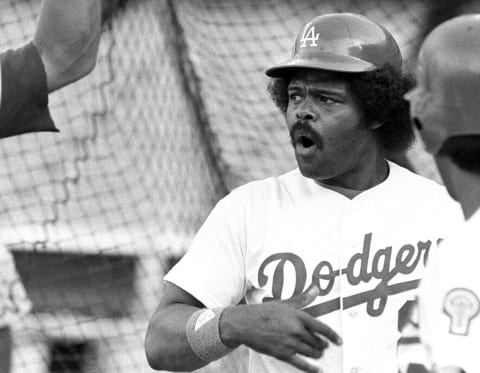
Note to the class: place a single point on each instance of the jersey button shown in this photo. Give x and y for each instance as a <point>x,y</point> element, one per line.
<point>354,370</point>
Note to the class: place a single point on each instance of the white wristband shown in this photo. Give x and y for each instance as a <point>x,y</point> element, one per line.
<point>203,334</point>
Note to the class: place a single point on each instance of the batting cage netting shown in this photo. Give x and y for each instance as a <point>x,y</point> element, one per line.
<point>174,116</point>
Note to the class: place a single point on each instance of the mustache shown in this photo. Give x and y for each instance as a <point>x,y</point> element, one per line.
<point>306,128</point>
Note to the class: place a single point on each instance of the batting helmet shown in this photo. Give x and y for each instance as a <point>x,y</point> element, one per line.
<point>446,100</point>
<point>342,42</point>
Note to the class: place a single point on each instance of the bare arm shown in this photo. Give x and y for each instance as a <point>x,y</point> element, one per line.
<point>166,343</point>
<point>279,329</point>
<point>67,38</point>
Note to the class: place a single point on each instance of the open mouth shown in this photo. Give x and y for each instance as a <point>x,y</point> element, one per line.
<point>305,137</point>
<point>306,141</point>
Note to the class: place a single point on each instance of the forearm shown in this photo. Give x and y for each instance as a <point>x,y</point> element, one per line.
<point>67,38</point>
<point>166,344</point>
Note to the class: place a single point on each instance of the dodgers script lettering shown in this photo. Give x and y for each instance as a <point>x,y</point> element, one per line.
<point>380,271</point>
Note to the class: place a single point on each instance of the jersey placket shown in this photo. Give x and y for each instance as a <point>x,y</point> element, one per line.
<point>349,316</point>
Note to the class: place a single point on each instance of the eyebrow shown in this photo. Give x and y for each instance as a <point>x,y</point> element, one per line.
<point>318,90</point>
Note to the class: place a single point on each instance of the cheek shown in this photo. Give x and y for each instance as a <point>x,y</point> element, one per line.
<point>342,136</point>
<point>290,118</point>
<point>338,143</point>
<point>339,128</point>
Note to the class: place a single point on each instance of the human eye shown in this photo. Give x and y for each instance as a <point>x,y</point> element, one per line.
<point>327,100</point>
<point>294,96</point>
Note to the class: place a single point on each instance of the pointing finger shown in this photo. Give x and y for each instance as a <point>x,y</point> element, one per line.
<point>304,299</point>
<point>316,341</point>
<point>302,364</point>
<point>322,329</point>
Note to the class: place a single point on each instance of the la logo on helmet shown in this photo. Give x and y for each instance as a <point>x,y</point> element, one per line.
<point>309,35</point>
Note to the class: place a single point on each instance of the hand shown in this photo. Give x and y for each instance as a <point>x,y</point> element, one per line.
<point>279,329</point>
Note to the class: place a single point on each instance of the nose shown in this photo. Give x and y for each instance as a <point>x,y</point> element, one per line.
<point>306,114</point>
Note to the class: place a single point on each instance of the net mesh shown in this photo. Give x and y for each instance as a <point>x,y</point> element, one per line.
<point>174,115</point>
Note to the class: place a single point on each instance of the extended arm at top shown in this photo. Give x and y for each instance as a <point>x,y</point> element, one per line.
<point>67,38</point>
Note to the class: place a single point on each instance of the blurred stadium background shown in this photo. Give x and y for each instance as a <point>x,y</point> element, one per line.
<point>174,116</point>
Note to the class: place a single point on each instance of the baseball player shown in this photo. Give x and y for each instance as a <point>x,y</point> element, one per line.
<point>63,50</point>
<point>446,108</point>
<point>327,255</point>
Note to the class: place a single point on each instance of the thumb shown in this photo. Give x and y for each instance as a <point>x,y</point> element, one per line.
<point>304,299</point>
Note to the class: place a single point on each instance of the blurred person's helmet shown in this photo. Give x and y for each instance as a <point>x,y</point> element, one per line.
<point>446,100</point>
<point>343,42</point>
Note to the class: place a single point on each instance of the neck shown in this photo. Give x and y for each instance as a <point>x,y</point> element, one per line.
<point>463,186</point>
<point>369,172</point>
<point>467,193</point>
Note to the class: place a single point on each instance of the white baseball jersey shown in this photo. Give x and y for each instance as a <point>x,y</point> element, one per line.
<point>449,300</point>
<point>13,298</point>
<point>271,239</point>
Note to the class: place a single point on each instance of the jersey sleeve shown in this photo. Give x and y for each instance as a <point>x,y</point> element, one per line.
<point>24,93</point>
<point>213,269</point>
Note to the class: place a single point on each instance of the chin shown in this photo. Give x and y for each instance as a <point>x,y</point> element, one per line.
<point>313,172</point>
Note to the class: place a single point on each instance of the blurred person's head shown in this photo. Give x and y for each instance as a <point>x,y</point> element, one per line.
<point>445,104</point>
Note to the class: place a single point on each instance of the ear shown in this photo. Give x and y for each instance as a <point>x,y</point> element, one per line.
<point>375,125</point>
